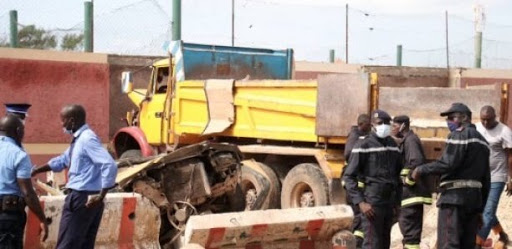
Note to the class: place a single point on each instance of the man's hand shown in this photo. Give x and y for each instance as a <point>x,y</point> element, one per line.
<point>44,231</point>
<point>94,200</point>
<point>414,174</point>
<point>509,188</point>
<point>367,210</point>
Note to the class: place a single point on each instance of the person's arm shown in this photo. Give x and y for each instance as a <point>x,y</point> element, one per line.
<point>23,168</point>
<point>101,158</point>
<point>509,182</point>
<point>56,164</point>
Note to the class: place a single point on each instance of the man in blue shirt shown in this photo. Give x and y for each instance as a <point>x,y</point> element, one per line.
<point>15,186</point>
<point>91,170</point>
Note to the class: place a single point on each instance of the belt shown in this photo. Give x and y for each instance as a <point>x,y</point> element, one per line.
<point>460,184</point>
<point>12,203</point>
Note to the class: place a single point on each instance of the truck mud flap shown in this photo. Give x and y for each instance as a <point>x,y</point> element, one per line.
<point>221,111</point>
<point>129,221</point>
<point>316,227</point>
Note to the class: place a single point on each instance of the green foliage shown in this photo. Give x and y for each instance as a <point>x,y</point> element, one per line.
<point>72,42</point>
<point>32,37</point>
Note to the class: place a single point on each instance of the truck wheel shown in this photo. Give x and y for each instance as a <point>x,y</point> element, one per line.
<point>261,191</point>
<point>305,186</point>
<point>135,153</point>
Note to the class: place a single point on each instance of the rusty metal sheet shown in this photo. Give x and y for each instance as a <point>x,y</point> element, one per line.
<point>341,98</point>
<point>423,105</point>
<point>221,111</point>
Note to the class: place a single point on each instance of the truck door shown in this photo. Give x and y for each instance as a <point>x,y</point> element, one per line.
<point>152,109</point>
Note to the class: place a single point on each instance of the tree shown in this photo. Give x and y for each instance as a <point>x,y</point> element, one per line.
<point>32,37</point>
<point>72,42</point>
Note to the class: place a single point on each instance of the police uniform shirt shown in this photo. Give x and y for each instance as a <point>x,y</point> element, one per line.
<point>91,168</point>
<point>14,164</point>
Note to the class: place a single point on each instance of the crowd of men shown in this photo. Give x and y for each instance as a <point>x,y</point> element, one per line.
<point>387,179</point>
<point>90,170</point>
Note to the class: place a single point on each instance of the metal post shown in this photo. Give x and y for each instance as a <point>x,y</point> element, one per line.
<point>447,44</point>
<point>346,33</point>
<point>88,27</point>
<point>176,20</point>
<point>331,55</point>
<point>232,23</point>
<point>14,28</point>
<point>399,55</point>
<point>478,50</point>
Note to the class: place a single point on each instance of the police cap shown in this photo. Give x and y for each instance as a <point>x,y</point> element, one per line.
<point>384,116</point>
<point>457,107</point>
<point>18,108</point>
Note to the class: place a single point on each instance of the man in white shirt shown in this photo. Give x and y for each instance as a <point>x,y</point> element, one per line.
<point>499,137</point>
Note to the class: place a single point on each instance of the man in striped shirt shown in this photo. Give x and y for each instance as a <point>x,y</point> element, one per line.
<point>465,180</point>
<point>377,160</point>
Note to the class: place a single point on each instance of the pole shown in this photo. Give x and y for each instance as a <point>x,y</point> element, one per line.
<point>176,20</point>
<point>447,44</point>
<point>232,23</point>
<point>88,27</point>
<point>14,28</point>
<point>346,33</point>
<point>478,50</point>
<point>331,55</point>
<point>399,55</point>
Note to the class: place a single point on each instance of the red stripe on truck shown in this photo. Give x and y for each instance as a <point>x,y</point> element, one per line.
<point>215,235</point>
<point>314,227</point>
<point>33,230</point>
<point>259,230</point>
<point>127,226</point>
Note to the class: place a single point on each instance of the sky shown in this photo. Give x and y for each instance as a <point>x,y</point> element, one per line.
<point>310,27</point>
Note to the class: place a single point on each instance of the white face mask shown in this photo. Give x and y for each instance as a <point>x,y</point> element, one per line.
<point>66,131</point>
<point>383,130</point>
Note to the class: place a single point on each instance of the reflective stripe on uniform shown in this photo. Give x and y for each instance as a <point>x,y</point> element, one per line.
<point>412,246</point>
<point>467,141</point>
<point>409,181</point>
<point>360,184</point>
<point>378,149</point>
<point>359,234</point>
<point>405,172</point>
<point>418,199</point>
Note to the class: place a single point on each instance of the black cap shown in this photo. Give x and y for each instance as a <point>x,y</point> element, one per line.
<point>457,107</point>
<point>381,114</point>
<point>18,108</point>
<point>401,119</point>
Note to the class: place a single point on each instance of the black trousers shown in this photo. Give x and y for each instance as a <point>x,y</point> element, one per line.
<point>357,227</point>
<point>377,232</point>
<point>12,227</point>
<point>410,221</point>
<point>457,227</point>
<point>79,224</point>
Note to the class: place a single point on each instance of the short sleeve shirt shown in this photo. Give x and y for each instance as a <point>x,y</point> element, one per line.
<point>14,164</point>
<point>499,139</point>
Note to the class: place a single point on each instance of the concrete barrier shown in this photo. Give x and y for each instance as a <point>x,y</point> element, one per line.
<point>129,221</point>
<point>291,228</point>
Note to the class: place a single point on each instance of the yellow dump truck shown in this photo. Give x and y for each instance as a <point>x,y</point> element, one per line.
<point>291,132</point>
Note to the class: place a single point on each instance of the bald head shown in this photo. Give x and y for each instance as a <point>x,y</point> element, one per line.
<point>72,117</point>
<point>488,117</point>
<point>11,126</point>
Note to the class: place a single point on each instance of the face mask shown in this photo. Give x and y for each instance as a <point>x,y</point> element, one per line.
<point>66,131</point>
<point>383,130</point>
<point>452,126</point>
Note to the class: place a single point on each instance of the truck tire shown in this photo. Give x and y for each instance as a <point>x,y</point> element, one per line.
<point>254,184</point>
<point>305,186</point>
<point>134,153</point>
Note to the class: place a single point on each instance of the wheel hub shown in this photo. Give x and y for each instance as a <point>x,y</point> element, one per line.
<point>250,198</point>
<point>307,199</point>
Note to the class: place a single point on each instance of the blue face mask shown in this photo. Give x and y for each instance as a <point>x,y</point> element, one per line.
<point>452,126</point>
<point>66,131</point>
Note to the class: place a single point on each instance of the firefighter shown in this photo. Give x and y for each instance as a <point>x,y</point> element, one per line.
<point>377,160</point>
<point>465,180</point>
<point>414,193</point>
<point>357,133</point>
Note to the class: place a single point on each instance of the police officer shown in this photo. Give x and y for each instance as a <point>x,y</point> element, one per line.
<point>465,180</point>
<point>15,186</point>
<point>18,109</point>
<point>414,193</point>
<point>358,132</point>
<point>377,160</point>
